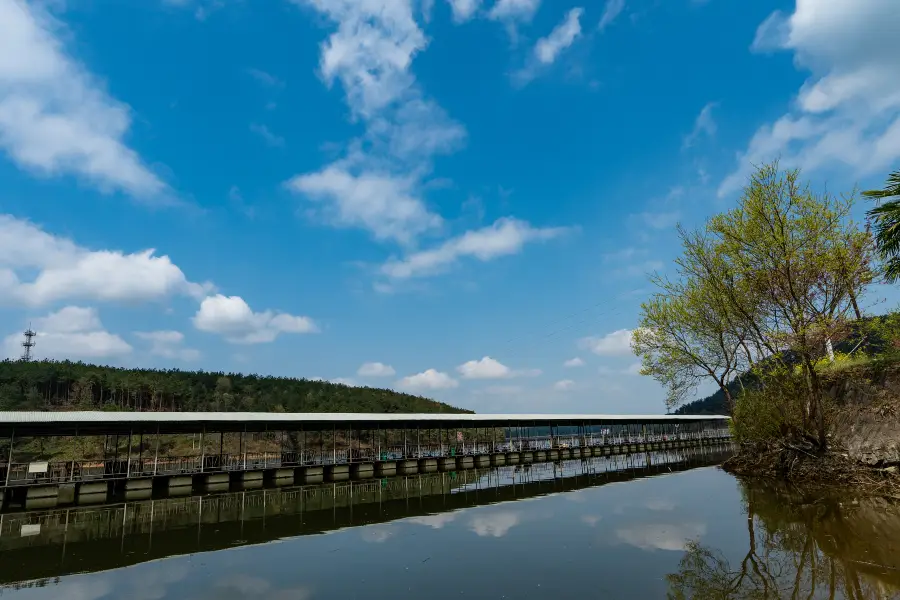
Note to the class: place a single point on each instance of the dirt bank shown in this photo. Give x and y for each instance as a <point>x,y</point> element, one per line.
<point>864,436</point>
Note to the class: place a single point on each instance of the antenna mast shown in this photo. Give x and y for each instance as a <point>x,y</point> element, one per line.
<point>29,343</point>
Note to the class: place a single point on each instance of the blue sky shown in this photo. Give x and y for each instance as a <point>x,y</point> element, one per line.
<point>458,198</point>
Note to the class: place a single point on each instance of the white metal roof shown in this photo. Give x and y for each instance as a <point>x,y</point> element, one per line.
<point>71,417</point>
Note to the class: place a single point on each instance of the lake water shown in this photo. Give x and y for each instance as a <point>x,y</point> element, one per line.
<point>643,527</point>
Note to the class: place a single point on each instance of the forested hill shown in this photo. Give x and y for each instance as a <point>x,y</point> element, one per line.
<point>50,385</point>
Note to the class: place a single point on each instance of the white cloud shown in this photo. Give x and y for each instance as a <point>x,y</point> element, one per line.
<point>428,380</point>
<point>574,362</point>
<point>463,10</point>
<point>612,10</point>
<point>72,333</point>
<point>66,271</point>
<point>55,117</point>
<point>377,186</point>
<point>514,10</point>
<point>564,385</point>
<point>704,124</point>
<point>375,369</point>
<point>848,110</point>
<point>168,344</point>
<point>489,368</point>
<point>266,134</point>
<point>384,204</point>
<point>617,343</point>
<point>505,237</point>
<point>231,317</point>
<point>547,49</point>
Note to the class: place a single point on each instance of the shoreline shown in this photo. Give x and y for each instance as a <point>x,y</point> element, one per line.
<point>800,464</point>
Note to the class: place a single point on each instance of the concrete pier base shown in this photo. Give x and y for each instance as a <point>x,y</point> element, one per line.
<point>408,467</point>
<point>553,455</point>
<point>498,459</point>
<point>180,485</point>
<point>363,471</point>
<point>44,491</point>
<point>466,462</point>
<point>527,457</point>
<point>540,456</point>
<point>217,488</point>
<point>338,472</point>
<point>448,464</point>
<point>482,460</point>
<point>141,494</point>
<point>139,484</point>
<point>428,465</point>
<point>512,458</point>
<point>41,503</point>
<point>313,475</point>
<point>94,492</point>
<point>386,469</point>
<point>66,494</point>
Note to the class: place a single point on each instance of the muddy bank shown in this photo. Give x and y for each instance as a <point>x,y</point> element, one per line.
<point>863,407</point>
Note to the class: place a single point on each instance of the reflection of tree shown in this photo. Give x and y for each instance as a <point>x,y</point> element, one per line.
<point>800,548</point>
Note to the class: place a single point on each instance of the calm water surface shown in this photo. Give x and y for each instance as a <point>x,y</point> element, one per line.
<point>637,527</point>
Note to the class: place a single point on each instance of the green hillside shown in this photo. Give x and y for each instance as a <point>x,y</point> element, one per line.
<point>51,385</point>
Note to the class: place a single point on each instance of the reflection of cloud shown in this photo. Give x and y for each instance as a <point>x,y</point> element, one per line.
<point>82,588</point>
<point>150,582</point>
<point>434,521</point>
<point>376,535</point>
<point>495,524</point>
<point>659,504</point>
<point>246,586</point>
<point>591,520</point>
<point>661,537</point>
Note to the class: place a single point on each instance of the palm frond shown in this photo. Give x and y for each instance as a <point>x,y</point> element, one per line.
<point>891,188</point>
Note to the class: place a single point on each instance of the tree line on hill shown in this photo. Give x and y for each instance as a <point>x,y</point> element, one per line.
<point>65,385</point>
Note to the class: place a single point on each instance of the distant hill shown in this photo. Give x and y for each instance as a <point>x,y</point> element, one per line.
<point>715,403</point>
<point>64,385</point>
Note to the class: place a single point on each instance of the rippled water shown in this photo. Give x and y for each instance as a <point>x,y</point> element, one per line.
<point>642,526</point>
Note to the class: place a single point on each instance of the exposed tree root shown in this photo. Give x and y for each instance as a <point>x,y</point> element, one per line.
<point>799,461</point>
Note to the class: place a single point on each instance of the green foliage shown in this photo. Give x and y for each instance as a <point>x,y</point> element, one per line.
<point>885,219</point>
<point>761,288</point>
<point>49,385</point>
<point>772,412</point>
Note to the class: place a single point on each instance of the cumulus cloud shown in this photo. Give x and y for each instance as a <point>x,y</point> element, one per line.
<point>564,385</point>
<point>574,362</point>
<point>547,49</point>
<point>73,333</point>
<point>847,113</point>
<point>386,205</point>
<point>514,11</point>
<point>428,380</point>
<point>377,185</point>
<point>489,368</point>
<point>55,116</point>
<point>168,344</point>
<point>57,269</point>
<point>463,10</point>
<point>617,343</point>
<point>611,11</point>
<point>505,237</point>
<point>232,318</point>
<point>375,369</point>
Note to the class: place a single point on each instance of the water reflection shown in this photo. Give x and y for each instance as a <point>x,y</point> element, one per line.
<point>685,534</point>
<point>800,545</point>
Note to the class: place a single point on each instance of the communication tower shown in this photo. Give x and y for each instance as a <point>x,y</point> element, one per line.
<point>29,343</point>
